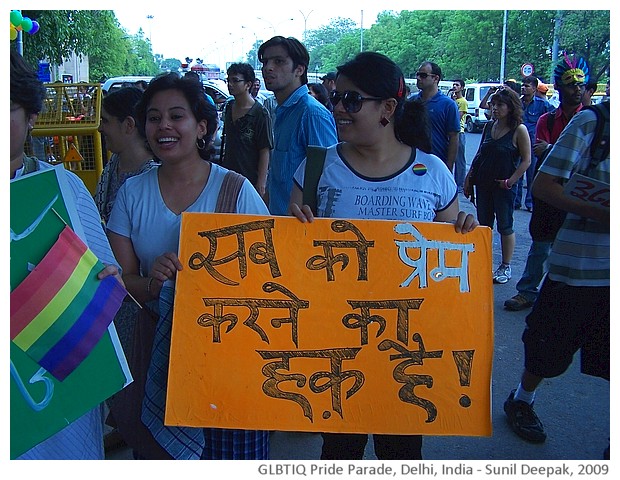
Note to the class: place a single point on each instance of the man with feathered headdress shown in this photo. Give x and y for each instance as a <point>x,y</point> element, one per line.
<point>569,81</point>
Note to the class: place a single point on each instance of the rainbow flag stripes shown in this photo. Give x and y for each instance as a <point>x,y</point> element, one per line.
<point>419,169</point>
<point>61,310</point>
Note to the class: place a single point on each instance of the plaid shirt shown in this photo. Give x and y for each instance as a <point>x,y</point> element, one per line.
<point>189,443</point>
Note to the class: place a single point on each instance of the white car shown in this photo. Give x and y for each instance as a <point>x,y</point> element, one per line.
<point>114,83</point>
<point>474,93</point>
<point>218,91</point>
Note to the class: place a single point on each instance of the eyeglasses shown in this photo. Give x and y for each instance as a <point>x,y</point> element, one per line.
<point>234,80</point>
<point>351,101</point>
<point>424,74</point>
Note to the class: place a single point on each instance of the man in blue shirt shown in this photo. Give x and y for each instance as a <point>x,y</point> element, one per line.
<point>300,120</point>
<point>442,111</point>
<point>533,108</point>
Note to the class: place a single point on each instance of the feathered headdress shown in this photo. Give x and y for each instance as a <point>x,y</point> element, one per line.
<point>571,70</point>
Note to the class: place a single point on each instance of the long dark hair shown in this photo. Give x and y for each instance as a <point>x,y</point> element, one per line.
<point>193,90</point>
<point>27,90</point>
<point>379,76</point>
<point>321,94</point>
<point>509,97</point>
<point>122,103</point>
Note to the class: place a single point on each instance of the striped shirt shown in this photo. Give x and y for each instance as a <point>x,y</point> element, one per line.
<point>580,253</point>
<point>300,121</point>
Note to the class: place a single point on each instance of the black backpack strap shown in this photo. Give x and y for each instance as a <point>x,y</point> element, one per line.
<point>229,193</point>
<point>599,148</point>
<point>315,159</point>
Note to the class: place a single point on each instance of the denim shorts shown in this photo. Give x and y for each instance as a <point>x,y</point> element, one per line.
<point>564,320</point>
<point>495,202</point>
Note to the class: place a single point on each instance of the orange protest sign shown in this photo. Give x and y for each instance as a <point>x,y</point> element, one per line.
<point>368,326</point>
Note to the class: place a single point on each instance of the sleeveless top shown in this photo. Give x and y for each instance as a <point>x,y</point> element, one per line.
<point>498,158</point>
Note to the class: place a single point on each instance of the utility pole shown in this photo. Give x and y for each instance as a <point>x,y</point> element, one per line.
<point>150,19</point>
<point>361,31</point>
<point>305,22</point>
<point>502,67</point>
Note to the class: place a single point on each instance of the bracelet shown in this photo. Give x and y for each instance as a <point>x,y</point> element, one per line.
<point>148,285</point>
<point>506,184</point>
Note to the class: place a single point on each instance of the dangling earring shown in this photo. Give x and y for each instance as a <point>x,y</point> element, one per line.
<point>201,146</point>
<point>384,121</point>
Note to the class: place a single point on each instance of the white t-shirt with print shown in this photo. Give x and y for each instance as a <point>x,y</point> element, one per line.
<point>423,187</point>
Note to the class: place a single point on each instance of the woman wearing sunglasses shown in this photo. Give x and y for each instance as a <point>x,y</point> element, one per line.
<point>383,152</point>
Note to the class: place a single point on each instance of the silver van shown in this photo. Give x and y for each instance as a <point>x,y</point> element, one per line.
<point>474,93</point>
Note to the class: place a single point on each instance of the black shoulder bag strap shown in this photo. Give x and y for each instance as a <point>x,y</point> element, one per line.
<point>315,159</point>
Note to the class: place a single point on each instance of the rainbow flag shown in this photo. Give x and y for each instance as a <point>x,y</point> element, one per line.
<point>61,310</point>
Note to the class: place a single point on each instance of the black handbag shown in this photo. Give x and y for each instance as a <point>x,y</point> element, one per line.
<point>478,161</point>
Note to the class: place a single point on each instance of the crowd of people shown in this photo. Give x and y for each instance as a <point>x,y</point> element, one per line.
<point>372,133</point>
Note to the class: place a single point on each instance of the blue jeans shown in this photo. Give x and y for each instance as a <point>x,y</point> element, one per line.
<point>530,173</point>
<point>535,269</point>
<point>518,193</point>
<point>460,165</point>
<point>492,203</point>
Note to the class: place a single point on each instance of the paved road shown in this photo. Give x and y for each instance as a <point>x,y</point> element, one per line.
<point>573,407</point>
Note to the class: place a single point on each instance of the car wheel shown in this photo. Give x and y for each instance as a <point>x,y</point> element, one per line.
<point>469,125</point>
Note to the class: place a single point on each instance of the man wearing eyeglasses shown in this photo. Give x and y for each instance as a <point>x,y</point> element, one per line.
<point>300,119</point>
<point>442,111</point>
<point>247,135</point>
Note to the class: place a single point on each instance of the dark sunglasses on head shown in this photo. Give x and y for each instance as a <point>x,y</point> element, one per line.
<point>351,101</point>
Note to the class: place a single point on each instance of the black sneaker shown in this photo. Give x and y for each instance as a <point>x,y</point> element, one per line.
<point>523,420</point>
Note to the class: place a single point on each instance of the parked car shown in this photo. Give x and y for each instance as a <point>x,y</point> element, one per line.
<point>474,93</point>
<point>115,83</point>
<point>218,91</point>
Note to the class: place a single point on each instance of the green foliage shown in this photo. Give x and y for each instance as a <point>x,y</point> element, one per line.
<point>465,43</point>
<point>95,33</point>
<point>468,44</point>
<point>169,64</point>
<point>583,32</point>
<point>332,44</point>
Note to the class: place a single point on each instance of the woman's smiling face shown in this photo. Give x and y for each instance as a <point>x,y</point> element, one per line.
<point>171,128</point>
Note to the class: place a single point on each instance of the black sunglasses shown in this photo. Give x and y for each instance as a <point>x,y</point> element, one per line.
<point>424,74</point>
<point>351,101</point>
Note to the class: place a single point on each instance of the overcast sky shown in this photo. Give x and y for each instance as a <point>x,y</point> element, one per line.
<point>217,35</point>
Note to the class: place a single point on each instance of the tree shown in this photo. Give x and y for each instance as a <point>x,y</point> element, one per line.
<point>586,32</point>
<point>96,33</point>
<point>331,43</point>
<point>468,44</point>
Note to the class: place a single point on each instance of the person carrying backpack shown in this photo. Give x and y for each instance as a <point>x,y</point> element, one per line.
<point>572,310</point>
<point>546,220</point>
